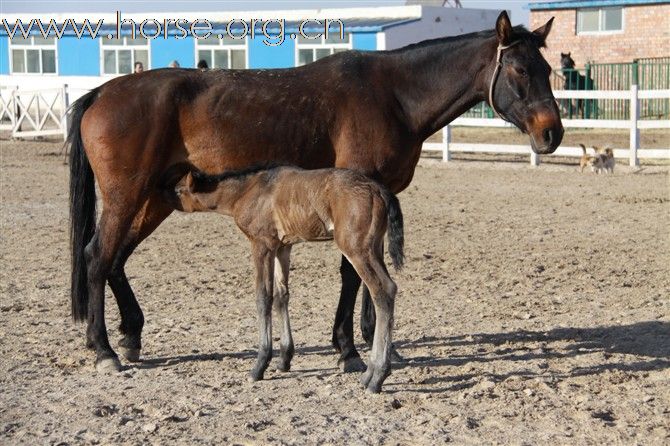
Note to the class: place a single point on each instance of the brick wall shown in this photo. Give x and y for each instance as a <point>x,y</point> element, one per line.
<point>646,33</point>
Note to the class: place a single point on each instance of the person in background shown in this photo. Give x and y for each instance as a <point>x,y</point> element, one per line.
<point>202,65</point>
<point>174,64</point>
<point>139,67</point>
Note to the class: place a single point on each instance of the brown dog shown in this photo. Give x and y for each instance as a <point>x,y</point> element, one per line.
<point>586,160</point>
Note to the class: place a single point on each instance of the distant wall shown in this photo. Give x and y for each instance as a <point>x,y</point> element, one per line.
<point>646,33</point>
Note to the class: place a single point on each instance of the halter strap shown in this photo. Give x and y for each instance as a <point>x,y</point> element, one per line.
<point>496,71</point>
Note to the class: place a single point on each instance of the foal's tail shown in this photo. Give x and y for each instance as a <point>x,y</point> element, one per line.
<point>82,206</point>
<point>395,232</point>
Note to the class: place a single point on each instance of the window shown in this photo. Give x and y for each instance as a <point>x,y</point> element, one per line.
<point>222,53</point>
<point>309,50</point>
<point>34,55</point>
<point>120,55</point>
<point>599,20</point>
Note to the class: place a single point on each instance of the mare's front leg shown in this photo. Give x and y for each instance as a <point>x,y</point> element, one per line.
<point>264,262</point>
<point>281,298</point>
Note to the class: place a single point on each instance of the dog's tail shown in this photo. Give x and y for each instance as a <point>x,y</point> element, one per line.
<point>395,232</point>
<point>583,148</point>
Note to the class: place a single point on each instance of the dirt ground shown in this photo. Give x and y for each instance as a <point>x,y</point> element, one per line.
<point>534,309</point>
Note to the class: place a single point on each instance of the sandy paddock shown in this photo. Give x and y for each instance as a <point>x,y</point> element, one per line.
<point>534,309</point>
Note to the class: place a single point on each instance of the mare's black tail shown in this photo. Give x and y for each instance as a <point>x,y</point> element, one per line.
<point>82,206</point>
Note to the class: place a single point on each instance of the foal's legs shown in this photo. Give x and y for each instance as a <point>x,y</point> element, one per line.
<point>281,298</point>
<point>264,262</point>
<point>372,270</point>
<point>343,330</point>
<point>152,214</point>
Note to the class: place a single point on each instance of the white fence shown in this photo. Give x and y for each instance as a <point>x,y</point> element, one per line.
<point>43,113</point>
<point>34,113</point>
<point>634,124</point>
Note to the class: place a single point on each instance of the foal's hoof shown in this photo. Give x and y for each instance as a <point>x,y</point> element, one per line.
<point>254,376</point>
<point>131,354</point>
<point>283,366</point>
<point>366,377</point>
<point>108,365</point>
<point>374,388</point>
<point>351,365</point>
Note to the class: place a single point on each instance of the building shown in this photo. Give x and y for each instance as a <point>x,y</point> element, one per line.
<point>82,61</point>
<point>604,31</point>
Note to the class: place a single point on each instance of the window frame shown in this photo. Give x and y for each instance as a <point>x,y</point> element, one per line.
<point>123,46</point>
<point>601,18</point>
<point>222,46</point>
<point>11,47</point>
<point>320,43</point>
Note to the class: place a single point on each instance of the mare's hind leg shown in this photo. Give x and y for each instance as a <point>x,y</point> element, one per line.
<point>343,329</point>
<point>152,214</point>
<point>264,262</point>
<point>100,254</point>
<point>281,298</point>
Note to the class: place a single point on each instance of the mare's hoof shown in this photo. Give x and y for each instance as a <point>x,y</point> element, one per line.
<point>131,354</point>
<point>396,357</point>
<point>108,365</point>
<point>351,365</point>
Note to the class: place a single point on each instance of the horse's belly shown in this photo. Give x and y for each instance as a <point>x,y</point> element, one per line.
<point>311,229</point>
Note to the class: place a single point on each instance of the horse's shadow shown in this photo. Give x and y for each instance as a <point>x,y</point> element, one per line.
<point>648,342</point>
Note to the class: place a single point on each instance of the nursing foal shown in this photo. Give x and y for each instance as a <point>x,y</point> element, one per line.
<point>277,207</point>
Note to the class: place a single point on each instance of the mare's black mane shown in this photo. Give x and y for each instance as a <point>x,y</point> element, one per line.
<point>519,32</point>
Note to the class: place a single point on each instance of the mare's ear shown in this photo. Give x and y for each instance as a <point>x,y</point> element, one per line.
<point>568,54</point>
<point>504,29</point>
<point>543,31</point>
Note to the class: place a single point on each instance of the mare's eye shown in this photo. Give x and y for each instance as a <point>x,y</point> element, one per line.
<point>521,72</point>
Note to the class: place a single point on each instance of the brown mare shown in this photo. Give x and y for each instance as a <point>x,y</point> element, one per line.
<point>366,111</point>
<point>281,206</point>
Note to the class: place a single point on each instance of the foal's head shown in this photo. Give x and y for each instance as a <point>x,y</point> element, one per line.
<point>191,195</point>
<point>520,91</point>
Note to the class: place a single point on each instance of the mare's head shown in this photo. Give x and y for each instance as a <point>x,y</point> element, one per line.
<point>567,62</point>
<point>520,90</point>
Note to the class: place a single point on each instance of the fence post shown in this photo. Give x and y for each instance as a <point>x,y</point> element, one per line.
<point>534,159</point>
<point>17,112</point>
<point>634,130</point>
<point>446,140</point>
<point>65,104</point>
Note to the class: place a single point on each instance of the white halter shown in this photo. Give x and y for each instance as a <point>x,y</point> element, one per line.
<point>499,55</point>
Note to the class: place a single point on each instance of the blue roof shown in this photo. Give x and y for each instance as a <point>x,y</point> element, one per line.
<point>572,4</point>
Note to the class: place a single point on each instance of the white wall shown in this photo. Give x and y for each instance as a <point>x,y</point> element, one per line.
<point>452,22</point>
